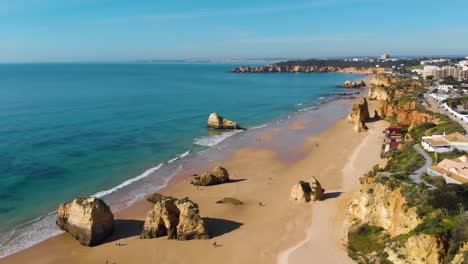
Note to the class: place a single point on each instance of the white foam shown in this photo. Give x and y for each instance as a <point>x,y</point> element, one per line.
<point>308,108</point>
<point>213,140</point>
<point>179,157</point>
<point>299,104</point>
<point>28,235</point>
<point>257,127</point>
<point>127,182</point>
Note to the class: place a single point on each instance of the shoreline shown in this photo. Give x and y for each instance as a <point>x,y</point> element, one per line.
<point>177,185</point>
<point>157,177</point>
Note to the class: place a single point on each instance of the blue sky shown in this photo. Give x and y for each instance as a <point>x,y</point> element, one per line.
<point>116,30</point>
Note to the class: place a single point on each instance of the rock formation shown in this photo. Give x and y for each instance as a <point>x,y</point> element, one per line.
<point>304,192</point>
<point>216,121</point>
<point>89,220</point>
<point>378,93</point>
<point>358,115</point>
<point>418,249</point>
<point>378,205</point>
<point>156,197</point>
<point>218,175</point>
<point>176,219</point>
<point>229,200</point>
<point>272,68</point>
<point>354,84</point>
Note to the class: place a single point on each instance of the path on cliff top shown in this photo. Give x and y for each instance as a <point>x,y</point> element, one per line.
<point>415,176</point>
<point>444,111</point>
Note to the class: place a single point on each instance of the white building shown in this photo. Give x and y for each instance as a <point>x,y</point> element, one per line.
<point>463,63</point>
<point>384,56</point>
<point>445,143</point>
<point>445,87</point>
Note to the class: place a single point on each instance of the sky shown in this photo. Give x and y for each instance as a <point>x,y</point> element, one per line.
<point>123,30</point>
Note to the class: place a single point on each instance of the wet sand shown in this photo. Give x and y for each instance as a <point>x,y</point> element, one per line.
<point>248,233</point>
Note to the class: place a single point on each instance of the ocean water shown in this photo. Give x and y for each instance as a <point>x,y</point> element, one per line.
<point>71,130</point>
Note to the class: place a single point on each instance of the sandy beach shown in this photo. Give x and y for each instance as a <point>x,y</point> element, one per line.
<point>281,230</point>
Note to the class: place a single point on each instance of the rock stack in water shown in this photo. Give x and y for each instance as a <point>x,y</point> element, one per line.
<point>352,84</point>
<point>218,175</point>
<point>216,121</point>
<point>176,219</point>
<point>89,220</point>
<point>358,115</point>
<point>305,192</point>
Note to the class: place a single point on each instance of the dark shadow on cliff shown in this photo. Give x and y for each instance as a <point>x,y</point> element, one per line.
<point>217,227</point>
<point>125,228</point>
<point>331,195</point>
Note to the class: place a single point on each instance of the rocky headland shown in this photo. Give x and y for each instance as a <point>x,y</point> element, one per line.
<point>391,219</point>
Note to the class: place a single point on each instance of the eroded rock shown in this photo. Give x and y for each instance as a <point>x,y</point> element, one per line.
<point>89,220</point>
<point>358,115</point>
<point>218,175</point>
<point>304,192</point>
<point>216,121</point>
<point>176,219</point>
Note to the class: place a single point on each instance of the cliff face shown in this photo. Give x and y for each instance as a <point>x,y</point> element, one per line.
<point>378,93</point>
<point>409,118</point>
<point>358,115</point>
<point>420,249</point>
<point>304,69</point>
<point>378,205</point>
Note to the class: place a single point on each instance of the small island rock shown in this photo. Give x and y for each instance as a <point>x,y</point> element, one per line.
<point>354,84</point>
<point>216,121</point>
<point>89,220</point>
<point>218,175</point>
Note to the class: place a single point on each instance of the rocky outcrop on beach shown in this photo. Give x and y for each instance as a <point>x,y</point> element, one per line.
<point>354,84</point>
<point>176,219</point>
<point>377,204</point>
<point>418,249</point>
<point>305,192</point>
<point>216,121</point>
<point>230,200</point>
<point>89,220</point>
<point>217,175</point>
<point>358,115</point>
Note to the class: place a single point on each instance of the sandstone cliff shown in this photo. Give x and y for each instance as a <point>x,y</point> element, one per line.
<point>419,249</point>
<point>304,69</point>
<point>176,219</point>
<point>358,115</point>
<point>378,205</point>
<point>89,220</point>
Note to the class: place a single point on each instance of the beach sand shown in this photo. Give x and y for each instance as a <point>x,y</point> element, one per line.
<point>280,230</point>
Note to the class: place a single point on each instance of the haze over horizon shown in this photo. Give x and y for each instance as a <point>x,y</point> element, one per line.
<point>105,30</point>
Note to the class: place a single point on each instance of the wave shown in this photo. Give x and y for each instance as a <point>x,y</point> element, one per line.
<point>308,108</point>
<point>210,141</point>
<point>127,182</point>
<point>179,157</point>
<point>257,127</point>
<point>299,104</point>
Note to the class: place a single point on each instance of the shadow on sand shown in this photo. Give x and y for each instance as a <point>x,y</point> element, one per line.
<point>217,227</point>
<point>124,228</point>
<point>331,195</point>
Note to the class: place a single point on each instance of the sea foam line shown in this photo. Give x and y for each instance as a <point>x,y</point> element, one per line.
<point>210,141</point>
<point>127,182</point>
<point>179,157</point>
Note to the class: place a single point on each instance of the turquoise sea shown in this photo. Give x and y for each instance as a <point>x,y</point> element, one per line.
<point>70,130</point>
